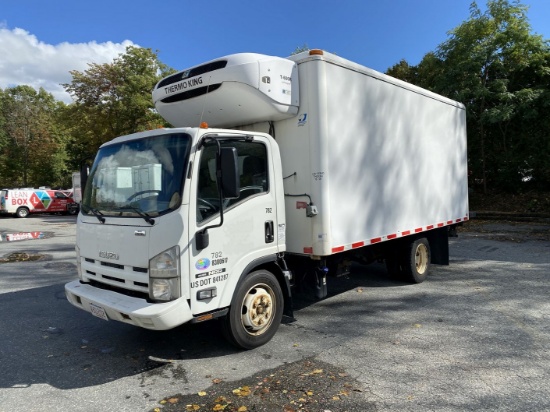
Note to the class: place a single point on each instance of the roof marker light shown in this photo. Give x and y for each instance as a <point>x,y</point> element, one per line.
<point>316,52</point>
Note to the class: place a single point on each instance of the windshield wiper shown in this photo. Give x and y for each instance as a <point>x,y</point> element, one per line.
<point>96,213</point>
<point>140,212</point>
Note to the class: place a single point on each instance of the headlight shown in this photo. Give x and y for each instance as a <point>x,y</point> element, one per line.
<point>164,275</point>
<point>78,264</point>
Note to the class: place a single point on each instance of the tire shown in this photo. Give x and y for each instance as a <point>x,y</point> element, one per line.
<point>415,263</point>
<point>256,311</point>
<point>22,212</point>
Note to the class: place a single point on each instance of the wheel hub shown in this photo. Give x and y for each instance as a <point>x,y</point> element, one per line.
<point>257,309</point>
<point>421,258</point>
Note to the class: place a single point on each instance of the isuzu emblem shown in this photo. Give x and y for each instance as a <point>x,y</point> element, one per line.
<point>108,255</point>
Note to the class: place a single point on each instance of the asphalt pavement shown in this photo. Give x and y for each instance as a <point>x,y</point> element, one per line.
<point>475,336</point>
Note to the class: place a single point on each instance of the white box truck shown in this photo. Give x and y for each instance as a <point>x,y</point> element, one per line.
<point>306,164</point>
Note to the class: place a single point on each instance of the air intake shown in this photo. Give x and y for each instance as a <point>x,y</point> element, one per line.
<point>196,71</point>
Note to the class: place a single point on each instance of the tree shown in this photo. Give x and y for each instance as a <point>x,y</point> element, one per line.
<point>32,150</point>
<point>113,99</point>
<point>404,71</point>
<point>500,71</point>
<point>3,137</point>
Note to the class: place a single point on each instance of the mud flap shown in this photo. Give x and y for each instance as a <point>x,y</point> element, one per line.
<point>439,245</point>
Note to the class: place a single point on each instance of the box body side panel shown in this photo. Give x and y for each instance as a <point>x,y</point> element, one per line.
<point>397,159</point>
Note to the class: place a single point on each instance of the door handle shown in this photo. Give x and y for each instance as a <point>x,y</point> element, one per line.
<point>269,235</point>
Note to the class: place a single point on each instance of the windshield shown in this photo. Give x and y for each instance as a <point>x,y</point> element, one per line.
<point>138,178</point>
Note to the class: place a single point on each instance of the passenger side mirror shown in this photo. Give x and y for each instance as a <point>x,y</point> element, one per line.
<point>230,173</point>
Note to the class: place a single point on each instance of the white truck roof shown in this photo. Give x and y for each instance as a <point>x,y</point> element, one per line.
<point>356,67</point>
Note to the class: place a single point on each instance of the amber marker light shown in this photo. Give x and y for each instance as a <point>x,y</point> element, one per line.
<point>204,125</point>
<point>316,52</point>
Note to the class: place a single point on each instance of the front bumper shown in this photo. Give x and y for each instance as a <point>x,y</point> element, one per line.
<point>134,311</point>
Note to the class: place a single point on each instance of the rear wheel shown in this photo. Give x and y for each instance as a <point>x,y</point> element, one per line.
<point>22,212</point>
<point>72,210</point>
<point>415,262</point>
<point>256,311</point>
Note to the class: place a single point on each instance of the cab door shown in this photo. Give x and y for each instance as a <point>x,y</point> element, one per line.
<point>59,202</point>
<point>249,229</point>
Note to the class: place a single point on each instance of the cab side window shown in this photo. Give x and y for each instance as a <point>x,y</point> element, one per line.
<point>252,172</point>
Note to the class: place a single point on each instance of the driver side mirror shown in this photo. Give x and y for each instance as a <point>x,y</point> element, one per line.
<point>230,173</point>
<point>83,177</point>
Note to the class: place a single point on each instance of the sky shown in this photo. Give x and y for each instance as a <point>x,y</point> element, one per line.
<point>41,41</point>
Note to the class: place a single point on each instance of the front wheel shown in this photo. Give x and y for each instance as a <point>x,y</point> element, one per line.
<point>256,311</point>
<point>22,212</point>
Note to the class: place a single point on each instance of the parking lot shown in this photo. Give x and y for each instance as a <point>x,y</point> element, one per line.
<point>475,336</point>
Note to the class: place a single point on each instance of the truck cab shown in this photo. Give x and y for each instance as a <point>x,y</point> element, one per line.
<point>160,242</point>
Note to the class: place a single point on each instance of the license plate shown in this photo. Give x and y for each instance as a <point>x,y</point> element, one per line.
<point>98,311</point>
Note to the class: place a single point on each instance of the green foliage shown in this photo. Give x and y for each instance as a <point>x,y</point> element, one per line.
<point>404,71</point>
<point>112,99</point>
<point>31,147</point>
<point>501,72</point>
<point>491,62</point>
<point>42,141</point>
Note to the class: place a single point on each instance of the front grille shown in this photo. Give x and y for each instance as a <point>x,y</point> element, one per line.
<point>113,265</point>
<point>126,279</point>
<point>113,279</point>
<point>126,292</point>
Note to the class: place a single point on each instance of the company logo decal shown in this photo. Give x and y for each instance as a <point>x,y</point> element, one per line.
<point>40,199</point>
<point>203,263</point>
<point>186,84</point>
<point>302,120</point>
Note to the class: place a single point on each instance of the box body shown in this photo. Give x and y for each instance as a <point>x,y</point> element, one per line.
<point>380,158</point>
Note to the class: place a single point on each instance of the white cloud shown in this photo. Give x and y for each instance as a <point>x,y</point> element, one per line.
<point>27,61</point>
